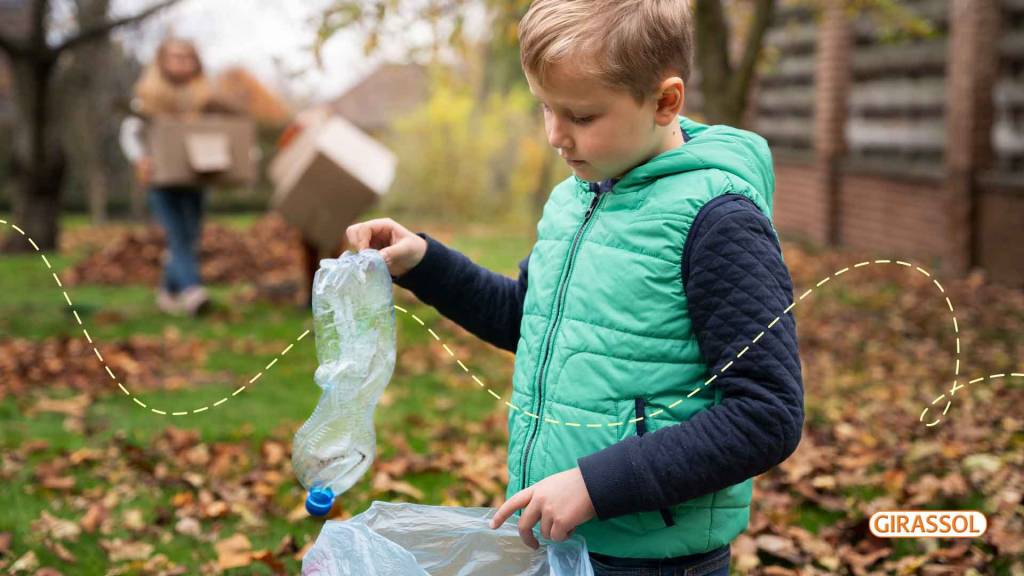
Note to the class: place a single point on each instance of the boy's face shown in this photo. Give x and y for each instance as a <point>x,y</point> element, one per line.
<point>600,132</point>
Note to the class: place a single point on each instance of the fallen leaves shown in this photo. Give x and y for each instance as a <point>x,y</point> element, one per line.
<point>140,362</point>
<point>268,256</point>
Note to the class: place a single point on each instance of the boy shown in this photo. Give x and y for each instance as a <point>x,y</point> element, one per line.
<point>656,265</point>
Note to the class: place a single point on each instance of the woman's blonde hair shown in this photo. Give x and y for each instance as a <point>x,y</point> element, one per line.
<point>625,44</point>
<point>156,94</point>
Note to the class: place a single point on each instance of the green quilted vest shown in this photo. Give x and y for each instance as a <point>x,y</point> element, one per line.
<point>606,341</point>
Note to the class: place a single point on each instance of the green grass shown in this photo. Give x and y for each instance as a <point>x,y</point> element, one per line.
<point>33,307</point>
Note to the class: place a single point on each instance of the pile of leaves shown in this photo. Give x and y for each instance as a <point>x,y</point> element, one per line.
<point>268,255</point>
<point>140,362</point>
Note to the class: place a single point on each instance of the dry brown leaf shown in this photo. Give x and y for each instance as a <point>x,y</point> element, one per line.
<point>234,552</point>
<point>56,528</point>
<point>119,550</point>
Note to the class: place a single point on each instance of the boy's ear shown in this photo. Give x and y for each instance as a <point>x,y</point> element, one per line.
<point>671,97</point>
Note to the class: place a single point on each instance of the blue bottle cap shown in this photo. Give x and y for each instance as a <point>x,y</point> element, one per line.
<point>319,501</point>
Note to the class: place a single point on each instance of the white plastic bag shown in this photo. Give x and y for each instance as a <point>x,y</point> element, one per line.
<point>402,539</point>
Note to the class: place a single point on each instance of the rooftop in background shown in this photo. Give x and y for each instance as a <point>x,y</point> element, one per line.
<point>388,91</point>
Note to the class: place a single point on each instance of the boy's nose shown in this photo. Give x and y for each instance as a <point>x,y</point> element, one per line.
<point>558,137</point>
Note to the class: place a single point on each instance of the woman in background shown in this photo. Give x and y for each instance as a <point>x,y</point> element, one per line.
<point>173,85</point>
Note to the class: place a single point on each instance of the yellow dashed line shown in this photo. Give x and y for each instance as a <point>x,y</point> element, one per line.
<point>462,365</point>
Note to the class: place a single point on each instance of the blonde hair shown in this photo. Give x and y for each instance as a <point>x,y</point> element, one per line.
<point>625,44</point>
<point>156,94</point>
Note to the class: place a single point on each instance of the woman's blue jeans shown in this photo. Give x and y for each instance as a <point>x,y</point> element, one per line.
<point>179,209</point>
<point>712,563</point>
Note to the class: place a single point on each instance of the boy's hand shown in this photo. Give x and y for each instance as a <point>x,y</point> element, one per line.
<point>144,170</point>
<point>401,249</point>
<point>560,502</point>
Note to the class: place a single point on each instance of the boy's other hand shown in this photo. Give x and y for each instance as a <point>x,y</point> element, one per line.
<point>401,249</point>
<point>560,502</point>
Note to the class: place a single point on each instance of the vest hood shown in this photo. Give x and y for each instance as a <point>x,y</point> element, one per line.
<point>741,153</point>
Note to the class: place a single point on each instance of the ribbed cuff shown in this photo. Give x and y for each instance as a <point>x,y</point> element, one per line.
<point>610,479</point>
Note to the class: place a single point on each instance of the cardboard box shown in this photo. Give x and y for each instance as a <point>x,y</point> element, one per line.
<point>215,150</point>
<point>327,175</point>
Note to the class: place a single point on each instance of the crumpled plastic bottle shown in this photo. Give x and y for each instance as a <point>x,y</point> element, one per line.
<point>354,326</point>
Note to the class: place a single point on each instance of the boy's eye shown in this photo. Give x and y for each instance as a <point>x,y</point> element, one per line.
<point>586,120</point>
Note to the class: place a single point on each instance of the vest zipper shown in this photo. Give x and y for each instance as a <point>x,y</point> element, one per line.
<point>535,426</point>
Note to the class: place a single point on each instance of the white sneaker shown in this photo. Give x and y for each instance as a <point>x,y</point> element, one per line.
<point>194,300</point>
<point>168,303</point>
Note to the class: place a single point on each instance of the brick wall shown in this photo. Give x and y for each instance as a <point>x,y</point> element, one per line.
<point>952,211</point>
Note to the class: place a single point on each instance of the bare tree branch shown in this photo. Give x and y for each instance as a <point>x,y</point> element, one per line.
<point>761,21</point>
<point>103,28</point>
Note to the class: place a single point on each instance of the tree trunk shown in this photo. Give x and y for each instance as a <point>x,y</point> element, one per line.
<point>37,159</point>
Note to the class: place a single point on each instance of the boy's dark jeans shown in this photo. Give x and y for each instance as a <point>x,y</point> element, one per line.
<point>179,210</point>
<point>711,563</point>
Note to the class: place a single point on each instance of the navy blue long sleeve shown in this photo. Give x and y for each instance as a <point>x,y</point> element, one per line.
<point>487,304</point>
<point>736,283</point>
